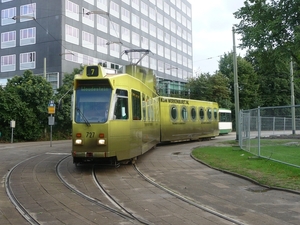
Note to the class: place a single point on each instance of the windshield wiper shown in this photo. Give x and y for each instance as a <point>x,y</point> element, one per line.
<point>83,117</point>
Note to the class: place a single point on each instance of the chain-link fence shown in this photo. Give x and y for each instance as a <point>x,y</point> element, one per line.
<point>272,133</point>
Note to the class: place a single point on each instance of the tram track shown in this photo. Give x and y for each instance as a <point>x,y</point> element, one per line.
<point>121,211</point>
<point>187,199</point>
<point>117,207</point>
<point>19,207</point>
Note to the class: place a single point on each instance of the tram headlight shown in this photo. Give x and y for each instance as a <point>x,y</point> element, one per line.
<point>78,141</point>
<point>101,141</point>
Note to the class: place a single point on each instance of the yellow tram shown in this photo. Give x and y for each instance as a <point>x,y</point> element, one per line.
<point>117,117</point>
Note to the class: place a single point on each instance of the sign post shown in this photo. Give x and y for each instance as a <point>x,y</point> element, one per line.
<point>51,111</point>
<point>12,125</point>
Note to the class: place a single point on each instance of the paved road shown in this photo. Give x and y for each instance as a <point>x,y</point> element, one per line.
<point>172,166</point>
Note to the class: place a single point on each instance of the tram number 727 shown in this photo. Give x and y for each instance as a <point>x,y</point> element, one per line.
<point>90,134</point>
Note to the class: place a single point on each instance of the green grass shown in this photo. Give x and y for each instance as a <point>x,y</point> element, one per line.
<point>264,171</point>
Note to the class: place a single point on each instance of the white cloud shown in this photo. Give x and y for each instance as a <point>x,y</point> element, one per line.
<point>212,32</point>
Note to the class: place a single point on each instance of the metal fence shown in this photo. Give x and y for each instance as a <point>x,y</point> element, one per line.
<point>272,133</point>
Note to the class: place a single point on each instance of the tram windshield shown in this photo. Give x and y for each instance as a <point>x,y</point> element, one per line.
<point>92,101</point>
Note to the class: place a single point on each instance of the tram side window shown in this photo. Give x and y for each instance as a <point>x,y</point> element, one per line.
<point>209,113</point>
<point>184,113</point>
<point>121,107</point>
<point>144,107</point>
<point>136,105</point>
<point>215,114</point>
<point>193,113</point>
<point>201,113</point>
<point>173,113</point>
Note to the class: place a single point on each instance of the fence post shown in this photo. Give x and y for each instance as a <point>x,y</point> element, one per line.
<point>259,129</point>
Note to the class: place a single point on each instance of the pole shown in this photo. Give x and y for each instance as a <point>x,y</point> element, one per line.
<point>45,69</point>
<point>292,97</point>
<point>236,87</point>
<point>51,132</point>
<point>12,135</point>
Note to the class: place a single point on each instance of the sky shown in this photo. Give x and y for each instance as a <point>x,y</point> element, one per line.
<point>212,23</point>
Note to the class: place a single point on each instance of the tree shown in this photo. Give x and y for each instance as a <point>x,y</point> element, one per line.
<point>63,102</point>
<point>25,99</point>
<point>210,88</point>
<point>248,81</point>
<point>271,24</point>
<point>274,73</point>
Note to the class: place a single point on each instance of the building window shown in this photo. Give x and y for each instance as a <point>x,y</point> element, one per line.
<point>189,37</point>
<point>144,42</point>
<point>71,56</point>
<point>27,60</point>
<point>88,18</point>
<point>183,21</point>
<point>173,27</point>
<point>135,20</point>
<point>178,16</point>
<point>173,14</point>
<point>102,4</point>
<point>152,30</point>
<point>115,50</point>
<point>135,4</point>
<point>167,23</point>
<point>135,39</point>
<point>179,45</point>
<point>72,10</point>
<point>160,50</point>
<point>144,25</point>
<point>72,34</point>
<point>167,38</point>
<point>87,40</point>
<point>125,15</point>
<point>8,63</point>
<point>160,19</point>
<point>173,41</point>
<point>153,47</point>
<point>125,34</point>
<point>7,15</point>
<point>101,45</point>
<point>189,25</point>
<point>27,11</point>
<point>179,31</point>
<point>160,34</point>
<point>27,36</point>
<point>152,13</point>
<point>159,4</point>
<point>102,23</point>
<point>114,9</point>
<point>114,29</point>
<point>8,39</point>
<point>166,8</point>
<point>183,7</point>
<point>173,56</point>
<point>153,64</point>
<point>144,8</point>
<point>167,53</point>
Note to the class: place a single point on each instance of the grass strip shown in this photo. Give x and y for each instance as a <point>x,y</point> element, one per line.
<point>266,172</point>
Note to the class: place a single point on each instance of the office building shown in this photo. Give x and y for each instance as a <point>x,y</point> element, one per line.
<point>53,37</point>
